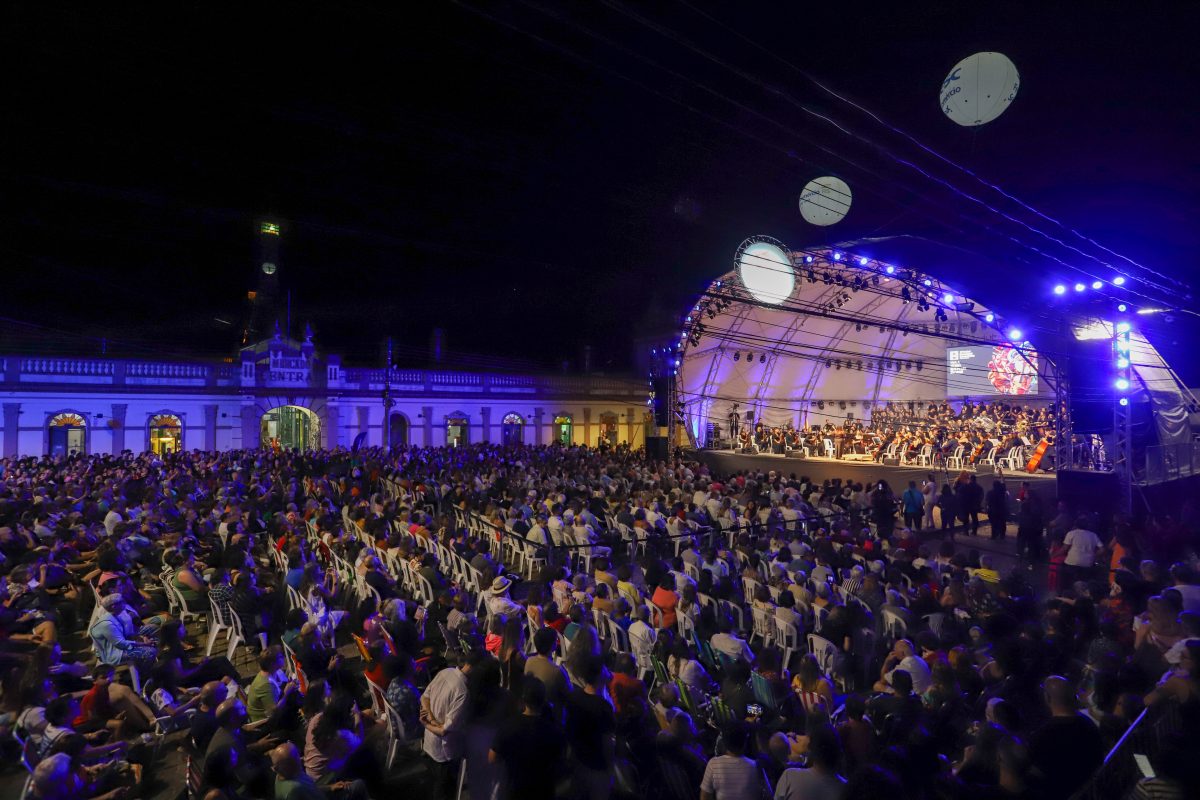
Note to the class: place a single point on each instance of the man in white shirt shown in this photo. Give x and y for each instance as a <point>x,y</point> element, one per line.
<point>732,776</point>
<point>554,524</point>
<point>731,644</point>
<point>444,716</point>
<point>904,656</point>
<point>113,517</point>
<point>820,781</point>
<point>1082,546</point>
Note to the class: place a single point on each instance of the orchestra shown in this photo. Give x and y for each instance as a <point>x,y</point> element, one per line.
<point>903,430</point>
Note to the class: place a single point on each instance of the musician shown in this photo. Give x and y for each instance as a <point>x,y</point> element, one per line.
<point>777,440</point>
<point>760,434</point>
<point>735,423</point>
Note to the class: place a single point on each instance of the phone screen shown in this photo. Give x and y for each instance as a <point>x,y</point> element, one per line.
<point>1144,765</point>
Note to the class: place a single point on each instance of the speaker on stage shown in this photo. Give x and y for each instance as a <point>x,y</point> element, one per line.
<point>656,447</point>
<point>662,401</point>
<point>794,454</point>
<point>750,451</point>
<point>1083,490</point>
<point>891,462</point>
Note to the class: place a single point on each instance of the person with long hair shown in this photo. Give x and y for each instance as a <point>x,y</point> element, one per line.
<point>511,653</point>
<point>332,736</point>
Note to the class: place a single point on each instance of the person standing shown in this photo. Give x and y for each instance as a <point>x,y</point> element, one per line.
<point>591,726</point>
<point>1082,546</point>
<point>530,747</point>
<point>444,717</point>
<point>1030,524</point>
<point>997,510</point>
<point>972,497</point>
<point>914,503</point>
<point>929,492</point>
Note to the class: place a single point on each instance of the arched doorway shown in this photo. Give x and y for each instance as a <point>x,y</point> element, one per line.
<point>291,428</point>
<point>609,428</point>
<point>562,429</point>
<point>458,429</point>
<point>68,434</point>
<point>166,434</point>
<point>398,425</point>
<point>512,429</point>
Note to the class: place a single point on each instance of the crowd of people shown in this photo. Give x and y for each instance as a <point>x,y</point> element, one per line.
<point>539,622</point>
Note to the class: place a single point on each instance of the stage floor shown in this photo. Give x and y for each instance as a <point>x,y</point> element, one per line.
<point>822,469</point>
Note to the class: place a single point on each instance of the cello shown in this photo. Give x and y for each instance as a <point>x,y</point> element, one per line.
<point>978,451</point>
<point>1036,458</point>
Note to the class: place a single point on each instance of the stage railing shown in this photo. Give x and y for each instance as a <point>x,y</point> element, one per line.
<point>1120,773</point>
<point>1168,462</point>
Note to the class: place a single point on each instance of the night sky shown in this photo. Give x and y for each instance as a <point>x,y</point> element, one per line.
<point>535,177</point>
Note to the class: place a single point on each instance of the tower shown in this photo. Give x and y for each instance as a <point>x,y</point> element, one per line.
<point>263,302</point>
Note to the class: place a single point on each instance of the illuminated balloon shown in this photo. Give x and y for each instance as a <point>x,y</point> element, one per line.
<point>979,88</point>
<point>825,201</point>
<point>766,271</point>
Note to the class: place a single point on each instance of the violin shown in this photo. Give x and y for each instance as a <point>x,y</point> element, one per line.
<point>978,452</point>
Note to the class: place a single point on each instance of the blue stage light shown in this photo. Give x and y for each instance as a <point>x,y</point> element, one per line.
<point>948,298</point>
<point>1122,363</point>
<point>1119,280</point>
<point>1124,401</point>
<point>1122,308</point>
<point>1060,289</point>
<point>837,256</point>
<point>1079,287</point>
<point>928,282</point>
<point>990,318</point>
<point>1122,384</point>
<point>1014,334</point>
<point>1097,284</point>
<point>890,270</point>
<point>1122,327</point>
<point>862,261</point>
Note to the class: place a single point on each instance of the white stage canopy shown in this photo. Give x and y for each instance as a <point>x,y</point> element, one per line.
<point>814,336</point>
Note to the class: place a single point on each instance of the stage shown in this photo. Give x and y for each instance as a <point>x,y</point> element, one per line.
<point>822,469</point>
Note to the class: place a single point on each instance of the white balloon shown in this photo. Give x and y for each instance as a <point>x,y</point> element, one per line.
<point>825,201</point>
<point>979,88</point>
<point>766,272</point>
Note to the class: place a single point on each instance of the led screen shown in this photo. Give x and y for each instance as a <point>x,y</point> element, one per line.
<point>1001,369</point>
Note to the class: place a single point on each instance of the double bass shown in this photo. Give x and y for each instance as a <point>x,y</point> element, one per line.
<point>1038,453</point>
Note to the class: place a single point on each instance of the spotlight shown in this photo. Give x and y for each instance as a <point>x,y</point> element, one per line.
<point>1122,384</point>
<point>1097,284</point>
<point>737,356</point>
<point>808,259</point>
<point>1014,334</point>
<point>1122,308</point>
<point>1060,289</point>
<point>905,295</point>
<point>890,270</point>
<point>1122,363</point>
<point>1119,280</point>
<point>1124,401</point>
<point>928,282</point>
<point>947,298</point>
<point>1122,327</point>
<point>1079,287</point>
<point>762,359</point>
<point>862,261</point>
<point>990,318</point>
<point>837,256</point>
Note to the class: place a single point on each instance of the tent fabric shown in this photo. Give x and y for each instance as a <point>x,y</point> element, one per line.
<point>845,335</point>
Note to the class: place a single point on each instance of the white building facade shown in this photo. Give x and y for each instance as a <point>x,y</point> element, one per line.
<point>284,394</point>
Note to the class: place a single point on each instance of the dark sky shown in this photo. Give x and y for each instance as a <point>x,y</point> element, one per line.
<point>536,176</point>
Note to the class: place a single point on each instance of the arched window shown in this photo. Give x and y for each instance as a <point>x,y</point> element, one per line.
<point>562,429</point>
<point>166,434</point>
<point>399,430</point>
<point>67,433</point>
<point>458,429</point>
<point>609,428</point>
<point>512,429</point>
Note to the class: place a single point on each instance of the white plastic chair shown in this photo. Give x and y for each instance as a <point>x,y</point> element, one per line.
<point>764,625</point>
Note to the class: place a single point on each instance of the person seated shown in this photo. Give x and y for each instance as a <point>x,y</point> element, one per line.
<point>114,639</point>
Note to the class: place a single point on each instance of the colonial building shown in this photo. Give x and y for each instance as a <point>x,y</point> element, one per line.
<point>288,393</point>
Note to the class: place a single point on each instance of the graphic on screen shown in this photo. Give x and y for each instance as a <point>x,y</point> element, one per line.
<point>991,370</point>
